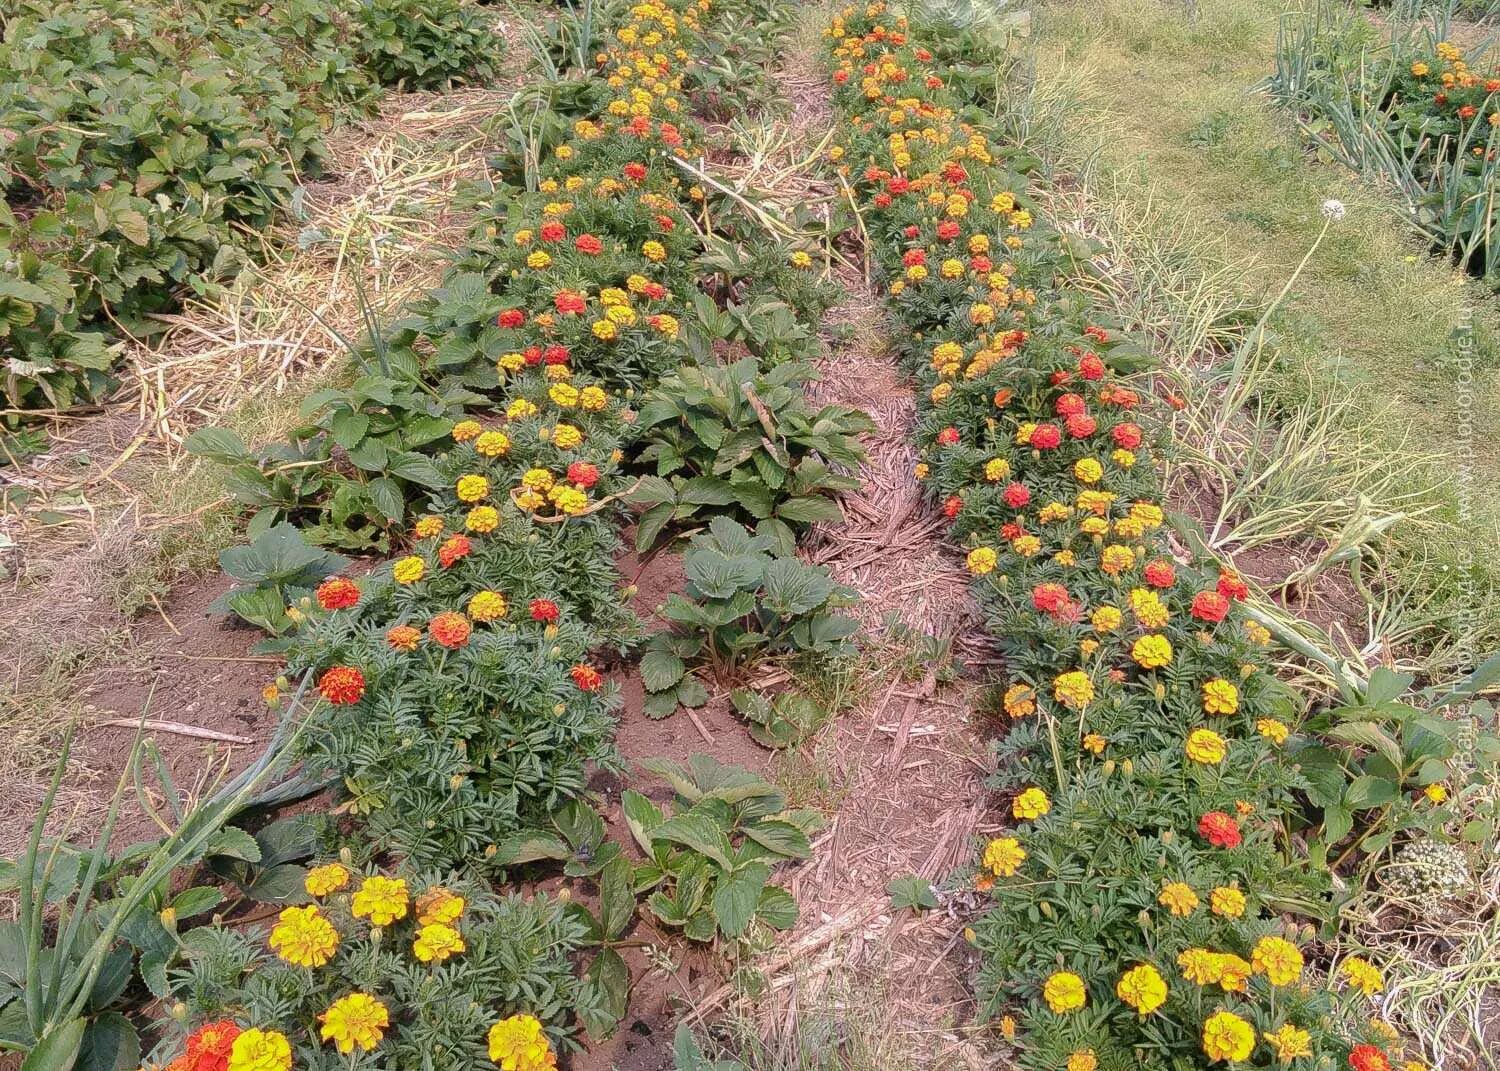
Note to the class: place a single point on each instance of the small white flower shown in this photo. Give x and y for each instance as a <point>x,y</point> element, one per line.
<point>1334,210</point>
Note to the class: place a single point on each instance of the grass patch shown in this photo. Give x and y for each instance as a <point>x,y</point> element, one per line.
<point>1388,355</point>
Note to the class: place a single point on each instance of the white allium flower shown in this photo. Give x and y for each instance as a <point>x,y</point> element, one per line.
<point>1334,210</point>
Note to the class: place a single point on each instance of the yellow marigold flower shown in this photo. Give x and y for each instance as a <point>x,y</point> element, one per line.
<point>436,942</point>
<point>1234,973</point>
<point>1228,901</point>
<point>592,399</point>
<point>979,243</point>
<point>1420,69</point>
<point>1031,804</point>
<point>519,1044</point>
<point>465,430</point>
<point>511,362</point>
<point>356,1020</point>
<point>1148,608</point>
<point>1220,696</point>
<point>472,488</point>
<point>1073,689</point>
<point>613,295</point>
<point>921,470</point>
<point>623,315</point>
<point>1278,959</point>
<point>1083,1060</point>
<point>322,880</point>
<point>1020,701</point>
<point>1087,470</point>
<point>482,519</point>
<point>1199,965</point>
<point>492,444</point>
<point>951,268</point>
<point>1289,1042</point>
<point>666,324</point>
<point>428,527</point>
<point>916,273</point>
<point>1227,1037</point>
<point>1206,746</point>
<point>1106,619</point>
<point>1122,457</point>
<point>1054,511</point>
<point>996,469</point>
<point>408,570</point>
<point>1437,792</point>
<point>487,606</point>
<point>982,560</point>
<point>531,501</point>
<point>1003,856</point>
<point>1363,975</point>
<point>941,392</point>
<point>538,259</point>
<point>1116,559</point>
<point>604,330</point>
<point>567,437</point>
<point>524,237</point>
<point>1008,1027</point>
<point>654,251</point>
<point>260,1050</point>
<point>1067,557</point>
<point>1179,898</point>
<point>1026,546</point>
<point>1143,988</point>
<point>1148,513</point>
<point>537,479</point>
<point>303,937</point>
<point>1152,651</point>
<point>1095,743</point>
<point>438,904</point>
<point>380,899</point>
<point>564,395</point>
<point>1273,730</point>
<point>1064,992</point>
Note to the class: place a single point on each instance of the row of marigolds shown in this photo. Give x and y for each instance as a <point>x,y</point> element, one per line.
<point>1139,905</point>
<point>459,708</point>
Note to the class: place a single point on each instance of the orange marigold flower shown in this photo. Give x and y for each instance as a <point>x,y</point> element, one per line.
<point>403,638</point>
<point>342,685</point>
<point>450,629</point>
<point>338,593</point>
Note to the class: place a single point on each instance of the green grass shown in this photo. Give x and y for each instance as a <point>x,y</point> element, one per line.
<point>1209,201</point>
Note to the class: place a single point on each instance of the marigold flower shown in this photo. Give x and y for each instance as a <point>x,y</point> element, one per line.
<point>1290,1042</point>
<point>1209,606</point>
<point>441,905</point>
<point>342,685</point>
<point>1032,803</point>
<point>403,638</point>
<point>1219,829</point>
<point>260,1050</point>
<point>1082,1060</point>
<point>487,606</point>
<point>1087,470</point>
<point>1106,619</point>
<point>1273,730</point>
<point>1152,651</point>
<point>325,879</point>
<point>1206,746</point>
<point>437,942</point>
<point>337,593</point>
<point>1003,856</point>
<point>1064,992</point>
<point>592,399</point>
<point>209,1047</point>
<point>1160,574</point>
<point>482,519</point>
<point>1073,689</point>
<point>1200,966</point>
<point>586,677</point>
<point>1278,959</point>
<point>472,488</point>
<point>1363,975</point>
<point>1143,988</point>
<point>1232,586</point>
<point>982,560</point>
<point>1179,898</point>
<point>454,549</point>
<point>1227,901</point>
<point>1220,696</point>
<point>380,899</point>
<point>544,610</point>
<point>1227,1037</point>
<point>358,1019</point>
<point>449,629</point>
<point>654,251</point>
<point>1368,1058</point>
<point>408,570</point>
<point>1116,559</point>
<point>519,1044</point>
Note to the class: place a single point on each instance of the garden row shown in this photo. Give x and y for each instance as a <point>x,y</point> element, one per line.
<point>1174,812</point>
<point>455,696</point>
<point>1402,105</point>
<point>146,147</point>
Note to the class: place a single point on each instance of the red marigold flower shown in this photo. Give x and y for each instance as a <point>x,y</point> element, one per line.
<point>569,302</point>
<point>209,1046</point>
<point>1046,437</point>
<point>654,291</point>
<point>840,77</point>
<point>1057,379</point>
<point>882,200</point>
<point>533,355</point>
<point>1160,574</point>
<point>453,549</point>
<point>342,685</point>
<point>1219,829</point>
<point>1050,598</point>
<point>912,230</point>
<point>588,245</point>
<point>1070,404</point>
<point>947,230</point>
<point>583,474</point>
<point>934,82</point>
<point>1468,111</point>
<point>913,257</point>
<point>635,171</point>
<point>1210,606</point>
<point>670,134</point>
<point>1232,586</point>
<point>952,506</point>
<point>954,172</point>
<point>1127,435</point>
<point>666,223</point>
<point>1081,426</point>
<point>1090,366</point>
<point>948,437</point>
<point>337,593</point>
<point>511,318</point>
<point>1012,530</point>
<point>450,629</point>
<point>586,677</point>
<point>981,264</point>
<point>545,611</point>
<point>898,184</point>
<point>1016,495</point>
<point>555,355</point>
<point>553,231</point>
<point>1368,1058</point>
<point>403,638</point>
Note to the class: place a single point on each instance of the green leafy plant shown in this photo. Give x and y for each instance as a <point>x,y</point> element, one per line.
<point>744,603</point>
<point>425,44</point>
<point>732,436</point>
<point>782,720</point>
<point>710,857</point>
<point>277,569</point>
